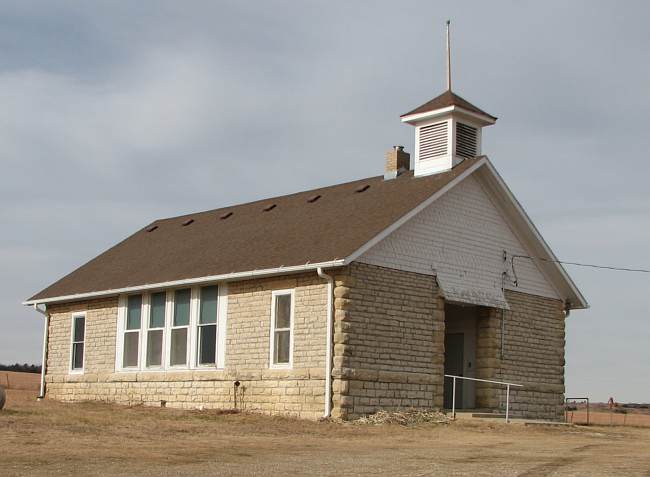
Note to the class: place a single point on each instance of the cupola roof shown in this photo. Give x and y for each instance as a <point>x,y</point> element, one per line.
<point>446,100</point>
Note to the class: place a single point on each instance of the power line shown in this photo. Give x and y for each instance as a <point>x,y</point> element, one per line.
<point>589,265</point>
<point>621,269</point>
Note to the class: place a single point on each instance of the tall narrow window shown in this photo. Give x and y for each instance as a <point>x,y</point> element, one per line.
<point>131,348</point>
<point>78,342</point>
<point>156,330</point>
<point>207,327</point>
<point>281,325</point>
<point>180,327</point>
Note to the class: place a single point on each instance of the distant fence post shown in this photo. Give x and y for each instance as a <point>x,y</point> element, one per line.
<point>574,400</point>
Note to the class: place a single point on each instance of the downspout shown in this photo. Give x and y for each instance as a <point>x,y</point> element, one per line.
<point>46,329</point>
<point>328,346</point>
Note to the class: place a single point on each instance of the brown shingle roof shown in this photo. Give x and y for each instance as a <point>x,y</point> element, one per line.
<point>255,236</point>
<point>447,99</point>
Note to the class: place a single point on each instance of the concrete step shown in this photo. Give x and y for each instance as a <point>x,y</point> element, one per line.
<point>548,423</point>
<point>489,415</point>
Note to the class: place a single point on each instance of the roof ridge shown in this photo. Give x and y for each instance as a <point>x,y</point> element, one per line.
<point>267,199</point>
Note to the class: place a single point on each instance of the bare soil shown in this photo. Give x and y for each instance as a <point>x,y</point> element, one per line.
<point>93,439</point>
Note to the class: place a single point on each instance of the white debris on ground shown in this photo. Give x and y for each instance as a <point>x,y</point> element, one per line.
<point>404,418</point>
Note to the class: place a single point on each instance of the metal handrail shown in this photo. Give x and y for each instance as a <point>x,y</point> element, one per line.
<point>453,394</point>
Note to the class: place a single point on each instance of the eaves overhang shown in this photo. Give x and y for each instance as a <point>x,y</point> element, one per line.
<point>189,281</point>
<point>482,119</point>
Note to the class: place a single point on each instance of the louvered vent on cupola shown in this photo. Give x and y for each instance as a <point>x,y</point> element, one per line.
<point>466,140</point>
<point>433,140</point>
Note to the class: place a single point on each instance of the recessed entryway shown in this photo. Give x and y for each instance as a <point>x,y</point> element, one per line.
<point>460,354</point>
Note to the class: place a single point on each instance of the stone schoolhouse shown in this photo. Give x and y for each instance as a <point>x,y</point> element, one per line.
<point>338,301</point>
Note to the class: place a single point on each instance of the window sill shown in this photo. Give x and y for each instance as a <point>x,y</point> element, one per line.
<point>203,369</point>
<point>171,375</point>
<point>281,367</point>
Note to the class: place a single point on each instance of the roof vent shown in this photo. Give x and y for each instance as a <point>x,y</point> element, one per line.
<point>152,228</point>
<point>313,198</point>
<point>466,140</point>
<point>226,215</point>
<point>363,188</point>
<point>433,140</point>
<point>269,207</point>
<point>187,222</point>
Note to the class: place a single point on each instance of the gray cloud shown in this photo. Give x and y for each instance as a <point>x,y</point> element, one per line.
<point>116,113</point>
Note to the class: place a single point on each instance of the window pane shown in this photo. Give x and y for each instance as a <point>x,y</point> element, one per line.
<point>78,356</point>
<point>207,344</point>
<point>182,307</point>
<point>133,312</point>
<point>282,342</point>
<point>157,318</point>
<point>208,305</point>
<point>283,311</point>
<point>179,347</point>
<point>154,347</point>
<point>131,349</point>
<point>79,328</point>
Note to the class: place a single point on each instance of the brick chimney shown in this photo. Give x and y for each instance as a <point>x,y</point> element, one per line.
<point>397,162</point>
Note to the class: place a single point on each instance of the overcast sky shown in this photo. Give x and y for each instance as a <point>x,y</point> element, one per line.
<point>113,114</point>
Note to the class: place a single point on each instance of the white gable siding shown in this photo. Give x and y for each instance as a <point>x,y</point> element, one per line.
<point>461,238</point>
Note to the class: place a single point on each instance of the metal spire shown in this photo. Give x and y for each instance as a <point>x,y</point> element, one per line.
<point>448,58</point>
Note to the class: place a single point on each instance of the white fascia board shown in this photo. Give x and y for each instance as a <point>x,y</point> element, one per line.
<point>532,229</point>
<point>412,118</point>
<point>427,114</point>
<point>508,195</point>
<point>390,229</point>
<point>191,281</point>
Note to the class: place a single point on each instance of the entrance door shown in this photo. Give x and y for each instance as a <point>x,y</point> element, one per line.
<point>454,361</point>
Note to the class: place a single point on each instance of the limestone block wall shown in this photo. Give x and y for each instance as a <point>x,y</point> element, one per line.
<point>389,341</point>
<point>388,351</point>
<point>101,327</point>
<point>533,355</point>
<point>297,392</point>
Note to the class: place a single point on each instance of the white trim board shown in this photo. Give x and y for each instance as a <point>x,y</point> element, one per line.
<point>274,297</point>
<point>71,368</point>
<point>525,227</point>
<point>411,118</point>
<point>519,221</point>
<point>405,218</point>
<point>190,281</point>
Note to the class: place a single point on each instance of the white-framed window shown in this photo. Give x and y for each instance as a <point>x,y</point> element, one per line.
<point>156,321</point>
<point>78,342</point>
<point>282,309</point>
<point>172,329</point>
<point>180,328</point>
<point>132,327</point>
<point>206,353</point>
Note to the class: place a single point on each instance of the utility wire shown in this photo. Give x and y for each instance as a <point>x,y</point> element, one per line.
<point>622,269</point>
<point>589,265</point>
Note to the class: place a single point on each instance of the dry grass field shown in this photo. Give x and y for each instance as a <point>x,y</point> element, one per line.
<point>607,418</point>
<point>94,439</point>
<point>13,380</point>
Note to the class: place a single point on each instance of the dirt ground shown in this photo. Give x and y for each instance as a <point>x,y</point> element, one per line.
<point>93,439</point>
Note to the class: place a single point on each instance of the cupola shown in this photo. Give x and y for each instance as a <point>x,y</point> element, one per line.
<point>447,129</point>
